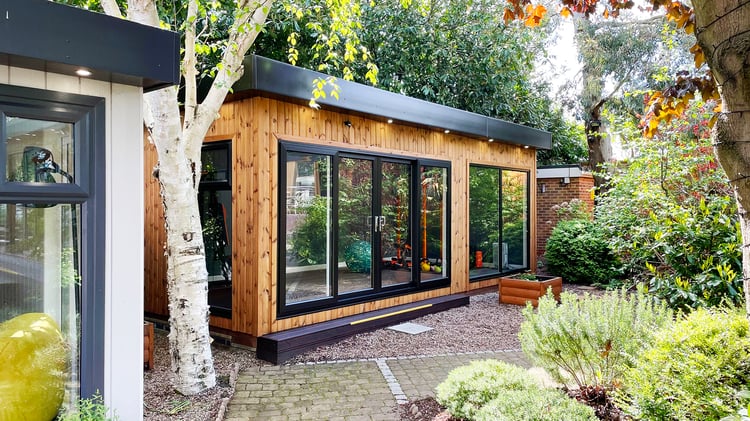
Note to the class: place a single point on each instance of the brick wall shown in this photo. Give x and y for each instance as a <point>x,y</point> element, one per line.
<point>550,192</point>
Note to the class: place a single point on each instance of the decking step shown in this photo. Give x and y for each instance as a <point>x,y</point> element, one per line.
<point>281,346</point>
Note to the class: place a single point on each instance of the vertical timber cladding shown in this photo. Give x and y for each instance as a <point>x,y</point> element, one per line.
<point>255,125</point>
<point>271,120</point>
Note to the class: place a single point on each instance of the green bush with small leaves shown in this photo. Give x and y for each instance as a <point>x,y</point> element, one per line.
<point>697,369</point>
<point>468,388</point>
<point>591,341</point>
<point>91,409</point>
<point>578,251</point>
<point>535,405</point>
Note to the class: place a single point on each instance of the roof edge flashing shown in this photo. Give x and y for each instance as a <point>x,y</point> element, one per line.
<point>265,76</point>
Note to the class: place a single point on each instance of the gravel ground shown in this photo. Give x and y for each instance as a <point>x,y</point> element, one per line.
<point>483,325</point>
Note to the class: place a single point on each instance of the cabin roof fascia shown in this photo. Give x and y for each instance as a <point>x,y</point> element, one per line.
<point>267,77</point>
<point>47,36</point>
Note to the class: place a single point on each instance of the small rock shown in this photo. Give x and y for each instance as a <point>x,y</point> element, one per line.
<point>414,409</point>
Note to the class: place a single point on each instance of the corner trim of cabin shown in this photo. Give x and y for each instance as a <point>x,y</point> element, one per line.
<point>281,346</point>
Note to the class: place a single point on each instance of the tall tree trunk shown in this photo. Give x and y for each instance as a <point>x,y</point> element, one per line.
<point>187,278</point>
<point>723,33</point>
<point>598,144</point>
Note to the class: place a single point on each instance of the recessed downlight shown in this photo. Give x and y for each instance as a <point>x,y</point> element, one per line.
<point>83,72</point>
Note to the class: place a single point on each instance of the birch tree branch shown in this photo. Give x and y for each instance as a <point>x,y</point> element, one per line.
<point>111,8</point>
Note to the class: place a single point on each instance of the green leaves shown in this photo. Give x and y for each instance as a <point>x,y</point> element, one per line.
<point>695,369</point>
<point>590,341</point>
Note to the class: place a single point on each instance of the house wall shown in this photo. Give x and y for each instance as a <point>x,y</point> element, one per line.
<point>256,125</point>
<point>123,353</point>
<point>556,193</point>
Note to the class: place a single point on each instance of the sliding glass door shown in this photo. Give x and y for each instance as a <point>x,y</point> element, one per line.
<point>354,227</point>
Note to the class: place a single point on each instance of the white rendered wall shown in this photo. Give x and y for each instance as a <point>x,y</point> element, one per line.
<point>123,354</point>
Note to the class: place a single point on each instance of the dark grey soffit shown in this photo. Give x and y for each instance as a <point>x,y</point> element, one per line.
<point>42,35</point>
<point>263,75</point>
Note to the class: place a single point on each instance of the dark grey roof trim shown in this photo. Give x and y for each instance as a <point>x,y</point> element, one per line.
<point>263,75</point>
<point>42,35</point>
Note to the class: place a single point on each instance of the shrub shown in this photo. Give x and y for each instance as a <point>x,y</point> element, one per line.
<point>91,409</point>
<point>535,405</point>
<point>669,214</point>
<point>590,340</point>
<point>697,369</point>
<point>578,252</point>
<point>468,388</point>
<point>697,258</point>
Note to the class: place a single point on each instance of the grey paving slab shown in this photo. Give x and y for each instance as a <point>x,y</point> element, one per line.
<point>419,376</point>
<point>348,390</point>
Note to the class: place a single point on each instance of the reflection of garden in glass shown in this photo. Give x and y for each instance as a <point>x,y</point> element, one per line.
<point>396,245</point>
<point>515,220</point>
<point>355,219</point>
<point>39,273</point>
<point>484,224</point>
<point>308,224</point>
<point>498,220</point>
<point>433,212</point>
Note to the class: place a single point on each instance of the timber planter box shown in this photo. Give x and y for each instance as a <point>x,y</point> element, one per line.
<point>514,290</point>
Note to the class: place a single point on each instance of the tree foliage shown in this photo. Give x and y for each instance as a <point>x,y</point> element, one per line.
<point>669,214</point>
<point>457,53</point>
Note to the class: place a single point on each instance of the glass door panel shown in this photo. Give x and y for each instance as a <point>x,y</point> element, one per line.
<point>395,229</point>
<point>434,210</point>
<point>515,220</point>
<point>357,223</point>
<point>486,251</point>
<point>309,219</point>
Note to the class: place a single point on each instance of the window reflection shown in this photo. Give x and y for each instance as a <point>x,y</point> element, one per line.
<point>308,227</point>
<point>498,221</point>
<point>434,211</point>
<point>39,151</point>
<point>40,273</point>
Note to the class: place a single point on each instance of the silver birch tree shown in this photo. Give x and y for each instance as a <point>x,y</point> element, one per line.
<point>178,135</point>
<point>178,132</point>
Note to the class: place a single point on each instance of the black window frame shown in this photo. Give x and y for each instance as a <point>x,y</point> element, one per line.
<point>501,273</point>
<point>87,114</point>
<point>219,185</point>
<point>285,310</point>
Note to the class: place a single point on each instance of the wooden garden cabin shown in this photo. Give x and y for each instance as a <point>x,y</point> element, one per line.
<point>373,208</point>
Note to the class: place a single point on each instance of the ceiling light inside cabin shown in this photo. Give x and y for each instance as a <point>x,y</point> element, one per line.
<point>83,72</point>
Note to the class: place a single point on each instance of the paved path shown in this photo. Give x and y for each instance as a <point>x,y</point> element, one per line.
<point>345,390</point>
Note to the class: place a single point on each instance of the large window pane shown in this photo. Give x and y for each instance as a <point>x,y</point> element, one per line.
<point>39,151</point>
<point>515,218</point>
<point>308,227</point>
<point>433,262</point>
<point>356,225</point>
<point>40,273</point>
<point>498,221</point>
<point>396,245</point>
<point>486,252</point>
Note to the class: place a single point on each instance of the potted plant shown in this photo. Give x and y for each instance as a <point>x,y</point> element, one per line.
<point>521,288</point>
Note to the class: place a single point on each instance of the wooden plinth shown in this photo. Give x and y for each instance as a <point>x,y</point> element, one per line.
<point>148,345</point>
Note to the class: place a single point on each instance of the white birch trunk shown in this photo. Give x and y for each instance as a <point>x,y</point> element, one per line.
<point>723,32</point>
<point>178,144</point>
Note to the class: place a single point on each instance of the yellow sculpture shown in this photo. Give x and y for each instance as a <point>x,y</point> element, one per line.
<point>32,368</point>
